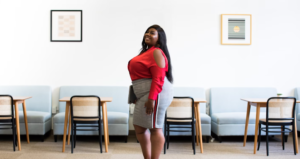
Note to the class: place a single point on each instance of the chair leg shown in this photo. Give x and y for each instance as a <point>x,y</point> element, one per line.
<point>42,138</point>
<point>126,139</point>
<point>267,136</point>
<point>100,135</point>
<point>14,136</point>
<point>168,127</point>
<point>74,135</point>
<point>259,136</point>
<point>286,138</point>
<point>220,139</point>
<point>282,136</point>
<point>55,138</point>
<point>294,134</point>
<point>193,136</point>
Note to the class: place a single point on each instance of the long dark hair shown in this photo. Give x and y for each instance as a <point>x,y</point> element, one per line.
<point>162,44</point>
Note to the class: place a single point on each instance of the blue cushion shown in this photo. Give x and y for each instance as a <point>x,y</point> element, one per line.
<point>35,117</point>
<point>235,118</point>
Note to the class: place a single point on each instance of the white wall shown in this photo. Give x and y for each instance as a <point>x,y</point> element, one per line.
<point>112,35</point>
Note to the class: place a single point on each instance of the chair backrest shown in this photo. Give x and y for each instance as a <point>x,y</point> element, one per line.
<point>280,108</point>
<point>6,106</point>
<point>41,96</point>
<point>118,93</point>
<point>228,99</point>
<point>194,92</point>
<point>181,108</point>
<point>85,106</point>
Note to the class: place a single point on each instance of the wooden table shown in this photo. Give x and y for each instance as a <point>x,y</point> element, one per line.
<point>21,100</point>
<point>258,103</point>
<point>198,122</point>
<point>104,116</point>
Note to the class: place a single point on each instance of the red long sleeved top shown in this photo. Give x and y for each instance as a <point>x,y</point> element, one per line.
<point>144,66</point>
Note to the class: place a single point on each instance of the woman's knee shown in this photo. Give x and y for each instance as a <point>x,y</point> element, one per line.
<point>156,131</point>
<point>139,130</point>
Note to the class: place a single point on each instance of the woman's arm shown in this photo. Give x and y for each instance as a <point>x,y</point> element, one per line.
<point>158,75</point>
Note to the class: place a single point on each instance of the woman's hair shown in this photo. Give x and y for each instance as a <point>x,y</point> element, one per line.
<point>162,44</point>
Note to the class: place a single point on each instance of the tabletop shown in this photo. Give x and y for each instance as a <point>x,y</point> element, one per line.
<point>20,98</point>
<point>258,100</point>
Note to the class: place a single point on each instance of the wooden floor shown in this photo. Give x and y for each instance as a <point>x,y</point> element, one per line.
<point>87,147</point>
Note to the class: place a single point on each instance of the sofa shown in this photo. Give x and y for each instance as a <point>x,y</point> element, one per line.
<point>194,92</point>
<point>117,110</point>
<point>297,95</point>
<point>38,109</point>
<point>228,111</point>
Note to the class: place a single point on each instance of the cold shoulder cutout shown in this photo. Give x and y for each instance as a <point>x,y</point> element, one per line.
<point>159,58</point>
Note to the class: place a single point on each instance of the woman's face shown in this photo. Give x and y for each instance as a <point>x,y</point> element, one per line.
<point>151,37</point>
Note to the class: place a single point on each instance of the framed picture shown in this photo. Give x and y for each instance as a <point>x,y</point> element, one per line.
<point>236,29</point>
<point>66,26</point>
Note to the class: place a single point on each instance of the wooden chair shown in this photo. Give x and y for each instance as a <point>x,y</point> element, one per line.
<point>85,110</point>
<point>7,117</point>
<point>180,112</point>
<point>280,112</point>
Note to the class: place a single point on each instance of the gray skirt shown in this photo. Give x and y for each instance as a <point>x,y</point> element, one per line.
<point>141,89</point>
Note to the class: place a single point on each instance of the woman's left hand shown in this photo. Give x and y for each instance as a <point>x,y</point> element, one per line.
<point>149,106</point>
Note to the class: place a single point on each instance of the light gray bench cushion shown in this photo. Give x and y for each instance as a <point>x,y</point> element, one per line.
<point>35,117</point>
<point>235,118</point>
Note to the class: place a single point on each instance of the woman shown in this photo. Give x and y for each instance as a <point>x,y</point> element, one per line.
<point>151,75</point>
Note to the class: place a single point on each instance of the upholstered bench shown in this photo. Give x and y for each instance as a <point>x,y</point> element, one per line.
<point>117,110</point>
<point>38,108</point>
<point>194,92</point>
<point>228,111</point>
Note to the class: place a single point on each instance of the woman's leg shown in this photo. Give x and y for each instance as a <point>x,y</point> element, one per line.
<point>143,137</point>
<point>157,142</point>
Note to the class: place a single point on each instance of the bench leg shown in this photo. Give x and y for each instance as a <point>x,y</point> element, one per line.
<point>55,138</point>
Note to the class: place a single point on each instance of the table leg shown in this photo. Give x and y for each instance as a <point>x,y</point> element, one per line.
<point>69,130</point>
<point>107,129</point>
<point>18,125</point>
<point>247,122</point>
<point>256,126</point>
<point>65,125</point>
<point>197,132</point>
<point>104,117</point>
<point>296,136</point>
<point>25,121</point>
<point>199,127</point>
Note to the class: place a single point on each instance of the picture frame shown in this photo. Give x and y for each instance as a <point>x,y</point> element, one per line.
<point>236,29</point>
<point>66,25</point>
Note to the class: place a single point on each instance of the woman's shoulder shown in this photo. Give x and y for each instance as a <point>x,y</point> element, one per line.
<point>159,57</point>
